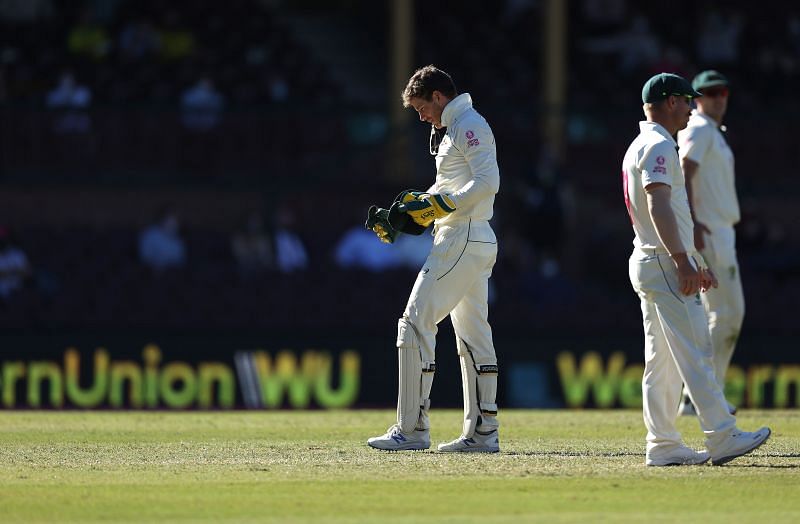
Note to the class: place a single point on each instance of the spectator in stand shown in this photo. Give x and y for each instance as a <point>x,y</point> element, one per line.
<point>278,87</point>
<point>252,247</point>
<point>290,251</point>
<point>88,38</point>
<point>72,100</point>
<point>202,106</point>
<point>177,41</point>
<point>412,250</point>
<point>357,249</point>
<point>139,40</point>
<point>14,265</point>
<point>160,244</point>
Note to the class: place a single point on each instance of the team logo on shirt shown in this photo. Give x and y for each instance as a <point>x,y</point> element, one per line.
<point>660,168</point>
<point>470,134</point>
<point>471,140</point>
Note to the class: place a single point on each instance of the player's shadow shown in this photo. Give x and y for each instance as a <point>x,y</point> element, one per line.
<point>763,466</point>
<point>586,454</point>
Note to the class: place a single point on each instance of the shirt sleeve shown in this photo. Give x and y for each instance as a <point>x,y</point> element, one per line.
<point>694,142</point>
<point>477,144</point>
<point>655,164</point>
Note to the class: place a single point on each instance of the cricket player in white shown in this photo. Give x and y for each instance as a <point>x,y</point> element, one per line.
<point>708,166</point>
<point>454,278</point>
<point>668,275</point>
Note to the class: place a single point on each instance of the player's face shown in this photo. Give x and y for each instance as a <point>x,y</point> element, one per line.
<point>715,101</point>
<point>430,110</point>
<point>682,111</point>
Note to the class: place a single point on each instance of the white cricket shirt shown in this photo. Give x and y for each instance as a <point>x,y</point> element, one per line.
<point>651,158</point>
<point>714,185</point>
<point>466,164</point>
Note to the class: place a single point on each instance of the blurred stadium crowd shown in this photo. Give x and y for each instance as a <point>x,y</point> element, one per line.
<point>175,165</point>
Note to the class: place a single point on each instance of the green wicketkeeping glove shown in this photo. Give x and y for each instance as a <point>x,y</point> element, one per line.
<point>428,207</point>
<point>389,223</point>
<point>378,221</point>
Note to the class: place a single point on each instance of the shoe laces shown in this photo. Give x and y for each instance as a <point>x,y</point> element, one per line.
<point>394,428</point>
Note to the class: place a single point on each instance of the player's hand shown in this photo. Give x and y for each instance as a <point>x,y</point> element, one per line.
<point>700,229</point>
<point>708,279</point>
<point>689,278</point>
<point>378,222</point>
<point>429,207</point>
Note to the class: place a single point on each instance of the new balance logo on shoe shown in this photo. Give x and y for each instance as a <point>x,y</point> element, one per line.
<point>478,443</point>
<point>395,440</point>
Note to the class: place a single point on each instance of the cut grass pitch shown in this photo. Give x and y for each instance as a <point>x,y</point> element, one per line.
<point>556,466</point>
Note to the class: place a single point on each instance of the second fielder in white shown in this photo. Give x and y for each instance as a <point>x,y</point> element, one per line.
<point>454,278</point>
<point>708,165</point>
<point>668,275</point>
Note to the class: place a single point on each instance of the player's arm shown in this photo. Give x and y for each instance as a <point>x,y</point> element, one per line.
<point>478,146</point>
<point>690,279</point>
<point>690,168</point>
<point>659,205</point>
<point>477,143</point>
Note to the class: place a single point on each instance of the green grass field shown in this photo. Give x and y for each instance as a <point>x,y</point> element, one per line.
<point>556,466</point>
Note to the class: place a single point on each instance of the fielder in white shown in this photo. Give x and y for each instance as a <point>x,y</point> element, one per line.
<point>454,278</point>
<point>708,166</point>
<point>668,275</point>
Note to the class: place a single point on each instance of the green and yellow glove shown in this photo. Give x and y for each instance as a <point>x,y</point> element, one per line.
<point>378,221</point>
<point>387,224</point>
<point>426,208</point>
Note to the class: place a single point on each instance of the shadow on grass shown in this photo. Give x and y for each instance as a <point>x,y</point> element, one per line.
<point>763,466</point>
<point>586,454</point>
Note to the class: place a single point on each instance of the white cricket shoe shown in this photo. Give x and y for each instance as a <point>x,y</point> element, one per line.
<point>489,443</point>
<point>679,456</point>
<point>738,443</point>
<point>397,440</point>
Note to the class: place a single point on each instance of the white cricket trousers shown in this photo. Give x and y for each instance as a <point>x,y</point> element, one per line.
<point>455,280</point>
<point>725,305</point>
<point>677,351</point>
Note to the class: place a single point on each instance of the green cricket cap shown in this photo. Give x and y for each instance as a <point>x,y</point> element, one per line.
<point>662,85</point>
<point>709,78</point>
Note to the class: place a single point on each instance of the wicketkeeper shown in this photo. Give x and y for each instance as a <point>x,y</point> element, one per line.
<point>454,279</point>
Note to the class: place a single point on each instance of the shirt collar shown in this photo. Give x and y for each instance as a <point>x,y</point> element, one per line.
<point>455,107</point>
<point>658,128</point>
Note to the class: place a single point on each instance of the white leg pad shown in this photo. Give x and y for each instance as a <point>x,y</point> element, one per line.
<point>428,370</point>
<point>415,380</point>
<point>479,382</point>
